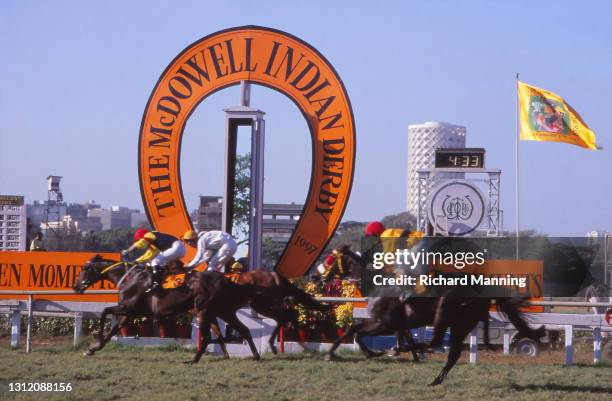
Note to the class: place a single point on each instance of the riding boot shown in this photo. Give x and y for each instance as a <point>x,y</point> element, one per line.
<point>157,278</point>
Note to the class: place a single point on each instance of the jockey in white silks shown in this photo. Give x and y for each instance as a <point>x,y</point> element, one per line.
<point>214,247</point>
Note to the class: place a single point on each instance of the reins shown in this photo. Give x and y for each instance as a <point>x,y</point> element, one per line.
<point>111,267</point>
<point>115,265</point>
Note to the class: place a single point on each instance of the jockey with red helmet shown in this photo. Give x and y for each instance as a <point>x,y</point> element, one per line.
<point>390,237</point>
<point>159,250</point>
<point>388,240</point>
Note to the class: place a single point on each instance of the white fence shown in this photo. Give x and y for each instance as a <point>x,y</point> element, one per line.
<point>261,328</point>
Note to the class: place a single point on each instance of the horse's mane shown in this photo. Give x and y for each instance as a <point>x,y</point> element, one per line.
<point>99,259</point>
<point>347,250</point>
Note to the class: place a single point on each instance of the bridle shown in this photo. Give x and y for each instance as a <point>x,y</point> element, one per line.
<point>101,272</point>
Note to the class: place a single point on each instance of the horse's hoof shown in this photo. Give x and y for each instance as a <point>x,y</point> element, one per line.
<point>189,362</point>
<point>274,351</point>
<point>330,357</point>
<point>435,383</point>
<point>256,358</point>
<point>375,354</point>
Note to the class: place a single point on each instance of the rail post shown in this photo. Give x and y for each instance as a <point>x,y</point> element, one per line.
<point>15,328</point>
<point>474,345</point>
<point>569,346</point>
<point>29,328</point>
<point>596,345</point>
<point>78,327</point>
<point>506,342</point>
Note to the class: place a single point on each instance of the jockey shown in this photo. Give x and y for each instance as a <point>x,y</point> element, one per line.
<point>214,247</point>
<point>389,240</point>
<point>333,267</point>
<point>160,249</point>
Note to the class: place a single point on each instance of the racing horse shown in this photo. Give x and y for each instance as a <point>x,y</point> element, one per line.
<point>461,315</point>
<point>134,300</point>
<point>275,299</point>
<point>217,296</point>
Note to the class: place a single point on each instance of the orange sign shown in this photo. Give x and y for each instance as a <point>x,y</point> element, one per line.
<point>531,271</point>
<point>49,271</point>
<point>279,61</point>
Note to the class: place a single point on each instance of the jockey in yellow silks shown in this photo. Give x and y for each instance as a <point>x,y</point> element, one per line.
<point>393,239</point>
<point>159,250</point>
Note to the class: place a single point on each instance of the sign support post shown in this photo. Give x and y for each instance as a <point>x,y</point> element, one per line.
<point>235,117</point>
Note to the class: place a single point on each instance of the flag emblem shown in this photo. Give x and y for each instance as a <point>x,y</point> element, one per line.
<point>545,116</point>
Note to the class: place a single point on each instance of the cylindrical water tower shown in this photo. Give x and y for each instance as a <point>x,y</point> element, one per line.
<point>423,140</point>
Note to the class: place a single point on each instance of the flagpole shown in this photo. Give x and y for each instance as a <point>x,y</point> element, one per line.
<point>517,167</point>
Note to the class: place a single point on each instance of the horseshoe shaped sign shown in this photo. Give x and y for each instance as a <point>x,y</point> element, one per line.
<point>276,60</point>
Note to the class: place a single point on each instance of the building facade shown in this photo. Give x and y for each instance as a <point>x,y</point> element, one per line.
<point>117,217</point>
<point>423,140</point>
<point>13,223</point>
<point>210,213</point>
<point>279,220</point>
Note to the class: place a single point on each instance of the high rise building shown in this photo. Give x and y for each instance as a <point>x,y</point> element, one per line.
<point>13,223</point>
<point>423,140</point>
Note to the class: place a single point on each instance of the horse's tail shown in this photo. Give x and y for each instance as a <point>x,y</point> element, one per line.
<point>510,308</point>
<point>303,298</point>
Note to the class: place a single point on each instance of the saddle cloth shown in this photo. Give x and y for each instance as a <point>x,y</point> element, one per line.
<point>175,280</point>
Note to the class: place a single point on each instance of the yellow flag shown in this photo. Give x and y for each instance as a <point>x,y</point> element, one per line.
<point>545,116</point>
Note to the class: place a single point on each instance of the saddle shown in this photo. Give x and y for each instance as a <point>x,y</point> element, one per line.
<point>176,277</point>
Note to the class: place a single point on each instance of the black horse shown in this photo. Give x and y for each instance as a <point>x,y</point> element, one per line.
<point>134,300</point>
<point>391,315</point>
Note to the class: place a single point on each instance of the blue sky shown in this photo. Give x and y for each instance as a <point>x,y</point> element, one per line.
<point>75,78</point>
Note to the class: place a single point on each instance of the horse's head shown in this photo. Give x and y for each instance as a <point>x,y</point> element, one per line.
<point>346,262</point>
<point>90,274</point>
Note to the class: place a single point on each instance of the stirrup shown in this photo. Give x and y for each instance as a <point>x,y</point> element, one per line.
<point>153,288</point>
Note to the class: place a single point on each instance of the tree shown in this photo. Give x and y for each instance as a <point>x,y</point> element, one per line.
<point>270,253</point>
<point>403,220</point>
<point>242,196</point>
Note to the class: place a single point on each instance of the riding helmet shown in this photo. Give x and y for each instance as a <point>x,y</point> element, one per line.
<point>374,228</point>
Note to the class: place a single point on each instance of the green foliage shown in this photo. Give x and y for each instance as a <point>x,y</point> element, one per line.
<point>347,235</point>
<point>271,252</point>
<point>242,196</point>
<point>50,326</point>
<point>113,240</point>
<point>5,325</point>
<point>403,220</point>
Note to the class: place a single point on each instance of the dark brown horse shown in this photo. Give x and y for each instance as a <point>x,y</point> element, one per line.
<point>390,315</point>
<point>217,296</point>
<point>134,301</point>
<point>276,297</point>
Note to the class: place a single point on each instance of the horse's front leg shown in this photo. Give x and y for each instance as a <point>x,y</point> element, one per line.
<point>353,329</point>
<point>204,328</point>
<point>102,339</point>
<point>214,325</point>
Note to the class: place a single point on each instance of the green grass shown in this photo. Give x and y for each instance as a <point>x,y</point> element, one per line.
<point>157,374</point>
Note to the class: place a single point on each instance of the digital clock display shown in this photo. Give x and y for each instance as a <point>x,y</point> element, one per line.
<point>460,158</point>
